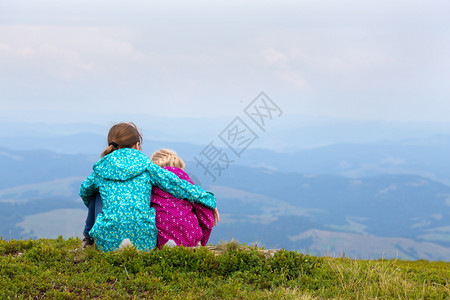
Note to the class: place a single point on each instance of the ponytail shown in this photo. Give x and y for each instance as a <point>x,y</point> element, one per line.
<point>122,135</point>
<point>108,150</point>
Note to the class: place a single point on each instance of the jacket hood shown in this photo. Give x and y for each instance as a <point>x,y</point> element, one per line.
<point>122,164</point>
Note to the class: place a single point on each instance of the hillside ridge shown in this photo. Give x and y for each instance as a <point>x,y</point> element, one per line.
<point>59,268</point>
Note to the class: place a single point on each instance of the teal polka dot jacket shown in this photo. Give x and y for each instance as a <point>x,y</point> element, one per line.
<point>124,179</point>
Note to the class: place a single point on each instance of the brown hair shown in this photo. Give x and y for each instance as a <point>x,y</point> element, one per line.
<point>167,158</point>
<point>122,135</point>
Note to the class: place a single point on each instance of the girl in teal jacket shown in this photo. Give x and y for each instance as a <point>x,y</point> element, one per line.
<point>124,177</point>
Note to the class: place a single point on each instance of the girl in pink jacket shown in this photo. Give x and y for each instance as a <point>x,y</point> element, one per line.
<point>179,221</point>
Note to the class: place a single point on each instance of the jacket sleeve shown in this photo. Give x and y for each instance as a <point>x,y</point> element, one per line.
<point>205,220</point>
<point>180,188</point>
<point>88,190</point>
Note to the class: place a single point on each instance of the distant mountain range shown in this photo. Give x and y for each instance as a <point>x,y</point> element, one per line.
<point>427,157</point>
<point>288,133</point>
<point>365,200</point>
<point>302,212</point>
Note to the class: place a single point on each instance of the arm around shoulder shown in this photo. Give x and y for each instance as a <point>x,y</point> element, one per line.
<point>180,188</point>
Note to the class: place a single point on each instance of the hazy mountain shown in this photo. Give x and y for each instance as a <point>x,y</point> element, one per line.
<point>326,186</point>
<point>287,133</point>
<point>39,198</point>
<point>25,167</point>
<point>426,157</point>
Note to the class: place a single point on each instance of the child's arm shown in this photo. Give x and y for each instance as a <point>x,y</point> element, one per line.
<point>216,216</point>
<point>88,190</point>
<point>180,188</point>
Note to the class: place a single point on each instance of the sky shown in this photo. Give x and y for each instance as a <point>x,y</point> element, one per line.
<point>71,61</point>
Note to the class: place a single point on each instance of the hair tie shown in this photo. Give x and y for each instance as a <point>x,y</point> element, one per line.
<point>114,145</point>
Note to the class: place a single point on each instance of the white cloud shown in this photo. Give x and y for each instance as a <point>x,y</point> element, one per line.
<point>390,188</point>
<point>447,200</point>
<point>392,161</point>
<point>66,52</point>
<point>437,216</point>
<point>274,58</point>
<point>347,59</point>
<point>350,57</point>
<point>282,68</point>
<point>418,183</point>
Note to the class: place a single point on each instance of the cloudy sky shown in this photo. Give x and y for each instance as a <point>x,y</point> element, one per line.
<point>71,60</point>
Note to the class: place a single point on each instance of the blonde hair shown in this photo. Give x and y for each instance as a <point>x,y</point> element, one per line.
<point>122,135</point>
<point>167,158</point>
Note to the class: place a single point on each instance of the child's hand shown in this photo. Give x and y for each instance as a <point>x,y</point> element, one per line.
<point>216,216</point>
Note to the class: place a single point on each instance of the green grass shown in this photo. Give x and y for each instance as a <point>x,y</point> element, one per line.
<point>58,269</point>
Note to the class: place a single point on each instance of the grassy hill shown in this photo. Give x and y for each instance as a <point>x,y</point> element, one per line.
<point>57,268</point>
